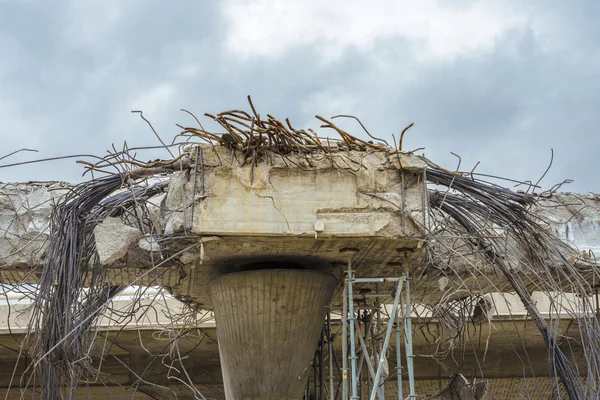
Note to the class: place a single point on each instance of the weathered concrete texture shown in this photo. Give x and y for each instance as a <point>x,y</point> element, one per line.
<point>574,218</point>
<point>453,269</point>
<point>269,322</point>
<point>25,210</point>
<point>349,194</point>
<point>25,213</point>
<point>303,208</point>
<point>113,238</point>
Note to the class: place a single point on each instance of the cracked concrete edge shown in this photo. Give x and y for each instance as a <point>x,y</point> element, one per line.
<point>25,210</point>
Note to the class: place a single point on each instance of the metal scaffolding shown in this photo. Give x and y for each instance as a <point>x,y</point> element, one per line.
<point>366,337</point>
<point>375,359</point>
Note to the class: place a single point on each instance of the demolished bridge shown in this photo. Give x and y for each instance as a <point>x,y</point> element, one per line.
<point>261,224</point>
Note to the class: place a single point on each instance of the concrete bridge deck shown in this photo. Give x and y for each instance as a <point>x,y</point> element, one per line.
<point>298,215</point>
<point>515,361</point>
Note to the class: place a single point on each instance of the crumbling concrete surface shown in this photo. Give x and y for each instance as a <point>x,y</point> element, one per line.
<point>25,210</point>
<point>302,209</point>
<point>574,218</point>
<point>346,194</point>
<point>455,268</point>
<point>113,239</point>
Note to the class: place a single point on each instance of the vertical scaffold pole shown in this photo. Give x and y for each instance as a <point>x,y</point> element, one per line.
<point>380,383</point>
<point>408,338</point>
<point>352,323</point>
<point>345,343</point>
<point>399,319</point>
<point>330,345</point>
<point>321,366</point>
<point>364,350</point>
<point>399,357</point>
<point>386,341</point>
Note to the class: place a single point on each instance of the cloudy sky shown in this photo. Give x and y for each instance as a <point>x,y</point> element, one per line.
<point>496,82</point>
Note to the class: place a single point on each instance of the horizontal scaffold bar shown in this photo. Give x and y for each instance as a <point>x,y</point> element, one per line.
<point>377,280</point>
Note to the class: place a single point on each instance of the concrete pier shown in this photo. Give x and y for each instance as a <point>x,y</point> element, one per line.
<point>269,322</point>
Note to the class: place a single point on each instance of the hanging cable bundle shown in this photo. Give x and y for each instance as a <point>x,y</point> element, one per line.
<point>64,311</point>
<point>480,208</point>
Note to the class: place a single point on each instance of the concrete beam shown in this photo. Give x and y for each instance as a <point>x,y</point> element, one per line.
<point>303,209</point>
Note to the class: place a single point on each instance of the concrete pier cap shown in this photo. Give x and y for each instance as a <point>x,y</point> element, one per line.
<point>230,218</point>
<point>302,209</point>
<point>284,227</point>
<point>269,322</point>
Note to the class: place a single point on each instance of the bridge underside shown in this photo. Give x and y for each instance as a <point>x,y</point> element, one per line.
<point>515,362</point>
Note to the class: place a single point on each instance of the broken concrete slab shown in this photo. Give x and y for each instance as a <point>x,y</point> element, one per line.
<point>25,212</point>
<point>303,207</point>
<point>113,239</point>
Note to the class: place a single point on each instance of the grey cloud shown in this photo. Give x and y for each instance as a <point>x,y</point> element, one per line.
<point>505,107</point>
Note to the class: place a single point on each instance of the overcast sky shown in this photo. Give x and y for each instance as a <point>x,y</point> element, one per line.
<point>496,82</point>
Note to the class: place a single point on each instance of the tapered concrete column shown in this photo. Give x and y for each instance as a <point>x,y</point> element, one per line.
<point>268,327</point>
